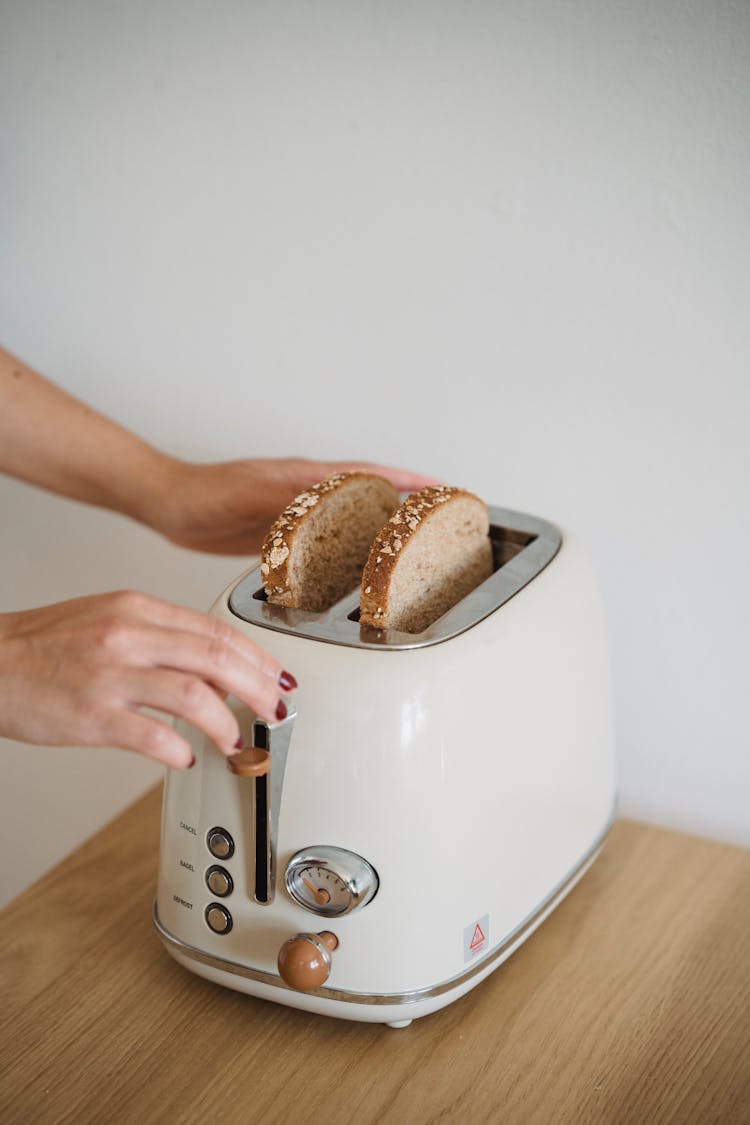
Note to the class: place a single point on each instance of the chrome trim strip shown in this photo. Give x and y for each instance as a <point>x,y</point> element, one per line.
<point>337,994</point>
<point>335,626</point>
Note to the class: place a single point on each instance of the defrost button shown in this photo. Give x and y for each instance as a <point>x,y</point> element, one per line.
<point>218,918</point>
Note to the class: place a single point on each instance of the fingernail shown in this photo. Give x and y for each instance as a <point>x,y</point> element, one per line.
<point>281,710</point>
<point>238,743</point>
<point>192,763</point>
<point>287,681</point>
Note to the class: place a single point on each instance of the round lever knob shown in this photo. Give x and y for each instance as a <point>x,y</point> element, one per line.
<point>250,762</point>
<point>305,960</point>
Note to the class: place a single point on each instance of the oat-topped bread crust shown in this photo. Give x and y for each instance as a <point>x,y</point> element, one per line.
<point>432,552</point>
<point>316,549</point>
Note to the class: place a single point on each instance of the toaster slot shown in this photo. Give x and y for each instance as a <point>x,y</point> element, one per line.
<point>265,804</point>
<point>262,842</point>
<point>522,546</point>
<point>507,543</point>
<point>261,826</point>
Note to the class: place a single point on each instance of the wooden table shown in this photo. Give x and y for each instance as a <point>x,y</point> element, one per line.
<point>630,1004</point>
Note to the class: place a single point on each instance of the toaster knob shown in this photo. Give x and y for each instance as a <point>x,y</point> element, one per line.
<point>305,960</point>
<point>252,761</point>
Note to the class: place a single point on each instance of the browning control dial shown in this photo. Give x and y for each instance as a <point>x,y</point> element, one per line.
<point>330,881</point>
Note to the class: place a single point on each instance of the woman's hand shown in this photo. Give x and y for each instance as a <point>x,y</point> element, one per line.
<point>228,508</point>
<point>79,672</point>
<point>52,440</point>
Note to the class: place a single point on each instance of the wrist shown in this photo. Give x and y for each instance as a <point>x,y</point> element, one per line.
<point>145,490</point>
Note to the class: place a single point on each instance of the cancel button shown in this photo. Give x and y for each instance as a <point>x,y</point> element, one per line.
<point>220,843</point>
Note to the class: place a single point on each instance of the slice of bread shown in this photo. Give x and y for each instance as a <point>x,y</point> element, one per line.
<point>316,549</point>
<point>432,552</point>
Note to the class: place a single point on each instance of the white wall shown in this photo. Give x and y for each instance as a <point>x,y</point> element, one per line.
<point>505,243</point>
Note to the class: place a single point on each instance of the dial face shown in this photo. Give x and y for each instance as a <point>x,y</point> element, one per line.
<point>330,880</point>
<point>317,887</point>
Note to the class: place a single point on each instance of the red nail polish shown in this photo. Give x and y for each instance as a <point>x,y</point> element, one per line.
<point>287,681</point>
<point>192,763</point>
<point>281,710</point>
<point>238,743</point>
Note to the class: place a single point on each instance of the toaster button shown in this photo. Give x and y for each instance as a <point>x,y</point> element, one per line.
<point>218,918</point>
<point>219,881</point>
<point>220,843</point>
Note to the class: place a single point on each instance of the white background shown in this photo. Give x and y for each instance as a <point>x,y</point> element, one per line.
<point>504,243</point>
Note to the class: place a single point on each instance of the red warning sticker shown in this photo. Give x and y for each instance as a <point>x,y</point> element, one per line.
<point>476,937</point>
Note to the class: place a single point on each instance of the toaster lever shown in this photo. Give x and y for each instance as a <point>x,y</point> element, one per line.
<point>251,761</point>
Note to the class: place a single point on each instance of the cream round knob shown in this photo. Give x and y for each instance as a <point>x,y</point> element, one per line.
<point>305,960</point>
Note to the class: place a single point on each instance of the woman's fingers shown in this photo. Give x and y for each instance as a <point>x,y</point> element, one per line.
<point>154,738</point>
<point>188,662</point>
<point>246,672</point>
<point>402,479</point>
<point>223,639</point>
<point>77,673</point>
<point>185,697</point>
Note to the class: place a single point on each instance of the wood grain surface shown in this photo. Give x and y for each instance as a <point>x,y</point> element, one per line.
<point>630,1004</point>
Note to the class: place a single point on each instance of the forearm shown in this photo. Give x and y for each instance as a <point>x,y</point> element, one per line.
<point>52,440</point>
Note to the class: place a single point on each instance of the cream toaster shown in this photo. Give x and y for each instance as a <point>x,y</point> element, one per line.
<point>427,802</point>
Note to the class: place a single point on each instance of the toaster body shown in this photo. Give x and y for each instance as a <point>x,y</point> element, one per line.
<point>430,799</point>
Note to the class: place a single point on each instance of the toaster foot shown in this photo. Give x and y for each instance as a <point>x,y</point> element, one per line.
<point>399,1023</point>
